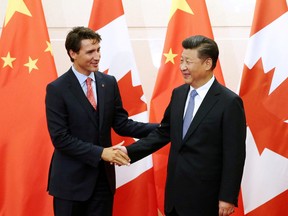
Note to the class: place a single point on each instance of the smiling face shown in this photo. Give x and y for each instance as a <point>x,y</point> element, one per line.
<point>196,72</point>
<point>86,60</point>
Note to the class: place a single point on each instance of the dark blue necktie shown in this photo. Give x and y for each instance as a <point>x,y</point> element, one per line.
<point>189,112</point>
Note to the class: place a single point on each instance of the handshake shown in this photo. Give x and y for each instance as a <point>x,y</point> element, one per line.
<point>116,155</point>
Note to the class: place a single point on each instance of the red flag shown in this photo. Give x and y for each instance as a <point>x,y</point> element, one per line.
<point>135,194</point>
<point>26,66</point>
<point>187,18</point>
<point>264,89</point>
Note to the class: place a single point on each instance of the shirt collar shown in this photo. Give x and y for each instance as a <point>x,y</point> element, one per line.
<point>81,77</point>
<point>202,91</point>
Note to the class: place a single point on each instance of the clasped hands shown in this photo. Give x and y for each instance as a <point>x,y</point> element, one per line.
<point>116,155</point>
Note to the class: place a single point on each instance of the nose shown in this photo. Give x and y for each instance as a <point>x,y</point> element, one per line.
<point>97,55</point>
<point>183,66</point>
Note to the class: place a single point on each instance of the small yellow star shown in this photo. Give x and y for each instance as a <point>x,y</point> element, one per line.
<point>31,64</point>
<point>181,5</point>
<point>16,6</point>
<point>170,56</point>
<point>49,48</point>
<point>8,60</point>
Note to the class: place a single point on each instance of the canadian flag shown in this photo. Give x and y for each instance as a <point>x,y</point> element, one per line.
<point>135,194</point>
<point>187,18</point>
<point>264,89</point>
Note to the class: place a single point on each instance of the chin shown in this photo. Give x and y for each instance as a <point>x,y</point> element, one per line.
<point>187,81</point>
<point>94,69</point>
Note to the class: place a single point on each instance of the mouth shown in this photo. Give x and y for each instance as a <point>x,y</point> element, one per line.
<point>95,64</point>
<point>186,75</point>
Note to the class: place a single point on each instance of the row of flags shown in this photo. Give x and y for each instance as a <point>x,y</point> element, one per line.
<point>27,65</point>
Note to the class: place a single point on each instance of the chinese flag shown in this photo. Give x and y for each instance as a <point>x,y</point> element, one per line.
<point>135,194</point>
<point>187,18</point>
<point>264,89</point>
<point>26,66</point>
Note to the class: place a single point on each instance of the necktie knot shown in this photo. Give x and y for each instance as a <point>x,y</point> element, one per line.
<point>90,94</point>
<point>193,94</point>
<point>88,81</point>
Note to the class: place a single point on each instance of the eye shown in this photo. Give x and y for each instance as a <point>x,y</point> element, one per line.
<point>89,52</point>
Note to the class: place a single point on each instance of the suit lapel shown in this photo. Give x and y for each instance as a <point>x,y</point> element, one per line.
<point>101,96</point>
<point>77,91</point>
<point>181,101</point>
<point>207,104</point>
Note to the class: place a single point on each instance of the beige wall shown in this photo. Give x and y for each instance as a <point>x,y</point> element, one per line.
<point>147,21</point>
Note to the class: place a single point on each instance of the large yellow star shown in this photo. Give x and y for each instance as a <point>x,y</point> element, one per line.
<point>170,56</point>
<point>16,6</point>
<point>181,5</point>
<point>8,60</point>
<point>31,64</point>
<point>49,48</point>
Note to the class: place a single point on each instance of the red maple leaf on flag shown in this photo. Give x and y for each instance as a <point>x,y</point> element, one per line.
<point>266,113</point>
<point>132,101</point>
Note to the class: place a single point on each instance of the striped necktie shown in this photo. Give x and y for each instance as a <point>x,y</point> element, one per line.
<point>90,94</point>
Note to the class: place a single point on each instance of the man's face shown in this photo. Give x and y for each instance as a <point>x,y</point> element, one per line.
<point>88,57</point>
<point>196,72</point>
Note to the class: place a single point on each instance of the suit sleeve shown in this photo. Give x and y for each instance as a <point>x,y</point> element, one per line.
<point>234,135</point>
<point>153,142</point>
<point>58,126</point>
<point>125,126</point>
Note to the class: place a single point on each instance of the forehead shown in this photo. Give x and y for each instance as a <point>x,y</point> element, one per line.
<point>189,53</point>
<point>89,43</point>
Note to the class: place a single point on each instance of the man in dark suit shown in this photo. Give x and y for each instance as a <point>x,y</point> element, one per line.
<point>205,163</point>
<point>82,175</point>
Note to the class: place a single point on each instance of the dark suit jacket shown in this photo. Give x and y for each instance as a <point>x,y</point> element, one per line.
<point>207,165</point>
<point>79,134</point>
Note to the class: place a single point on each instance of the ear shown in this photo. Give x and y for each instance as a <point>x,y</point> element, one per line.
<point>72,54</point>
<point>208,64</point>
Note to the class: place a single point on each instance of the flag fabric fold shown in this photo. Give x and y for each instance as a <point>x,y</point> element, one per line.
<point>135,193</point>
<point>187,18</point>
<point>264,90</point>
<point>26,67</point>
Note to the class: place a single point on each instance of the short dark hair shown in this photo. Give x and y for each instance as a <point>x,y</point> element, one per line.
<point>206,47</point>
<point>76,35</point>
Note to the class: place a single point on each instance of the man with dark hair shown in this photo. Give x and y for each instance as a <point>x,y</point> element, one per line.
<point>205,123</point>
<point>82,106</point>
